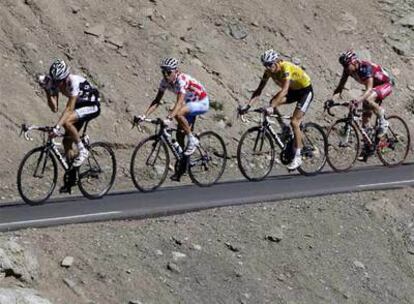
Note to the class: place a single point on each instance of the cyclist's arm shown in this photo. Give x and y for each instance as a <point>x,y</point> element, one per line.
<point>155,103</point>
<point>341,84</point>
<point>281,94</point>
<point>178,105</point>
<point>52,101</point>
<point>369,84</point>
<point>70,107</point>
<point>256,94</point>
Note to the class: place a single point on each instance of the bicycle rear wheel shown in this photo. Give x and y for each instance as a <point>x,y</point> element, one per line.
<point>255,154</point>
<point>149,164</point>
<point>313,150</point>
<point>37,176</point>
<point>394,146</point>
<point>343,145</point>
<point>208,162</point>
<point>97,173</point>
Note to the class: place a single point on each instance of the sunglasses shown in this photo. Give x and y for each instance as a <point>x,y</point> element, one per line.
<point>166,72</point>
<point>268,64</point>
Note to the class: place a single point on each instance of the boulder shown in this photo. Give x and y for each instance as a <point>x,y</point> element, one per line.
<point>17,262</point>
<point>21,296</point>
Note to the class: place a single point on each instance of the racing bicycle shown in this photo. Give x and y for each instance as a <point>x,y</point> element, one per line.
<point>347,138</point>
<point>258,146</point>
<point>150,161</point>
<point>38,171</point>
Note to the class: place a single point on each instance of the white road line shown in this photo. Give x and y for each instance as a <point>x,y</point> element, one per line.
<point>51,219</point>
<point>389,183</point>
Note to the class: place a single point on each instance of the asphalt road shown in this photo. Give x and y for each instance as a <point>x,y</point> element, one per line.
<point>167,201</point>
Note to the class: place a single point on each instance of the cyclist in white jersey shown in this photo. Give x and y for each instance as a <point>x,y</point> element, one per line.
<point>192,100</point>
<point>82,105</point>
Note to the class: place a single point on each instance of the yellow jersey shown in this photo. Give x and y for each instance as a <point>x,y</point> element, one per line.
<point>298,77</point>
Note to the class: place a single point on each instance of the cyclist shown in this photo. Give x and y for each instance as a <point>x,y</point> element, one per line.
<point>82,106</point>
<point>192,100</point>
<point>295,86</point>
<point>378,85</point>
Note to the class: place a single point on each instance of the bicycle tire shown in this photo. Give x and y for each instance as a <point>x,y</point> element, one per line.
<point>309,151</point>
<point>139,180</point>
<point>391,140</point>
<point>206,158</point>
<point>21,184</point>
<point>347,153</point>
<point>243,145</point>
<point>94,170</point>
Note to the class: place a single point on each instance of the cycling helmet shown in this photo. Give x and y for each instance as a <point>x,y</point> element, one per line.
<point>169,64</point>
<point>269,57</point>
<point>348,57</point>
<point>59,70</point>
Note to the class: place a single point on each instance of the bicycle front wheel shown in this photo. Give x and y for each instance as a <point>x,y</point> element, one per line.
<point>37,176</point>
<point>343,145</point>
<point>394,146</point>
<point>97,173</point>
<point>255,154</point>
<point>313,150</point>
<point>149,164</point>
<point>208,162</point>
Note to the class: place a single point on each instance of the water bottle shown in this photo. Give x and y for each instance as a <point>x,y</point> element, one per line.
<point>177,147</point>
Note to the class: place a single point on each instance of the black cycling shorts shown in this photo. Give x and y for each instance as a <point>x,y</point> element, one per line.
<point>303,97</point>
<point>86,111</point>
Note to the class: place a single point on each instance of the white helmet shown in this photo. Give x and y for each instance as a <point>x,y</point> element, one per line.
<point>59,70</point>
<point>169,63</point>
<point>269,57</point>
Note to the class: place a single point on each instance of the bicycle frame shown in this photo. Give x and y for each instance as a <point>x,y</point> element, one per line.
<point>266,125</point>
<point>50,146</point>
<point>354,118</point>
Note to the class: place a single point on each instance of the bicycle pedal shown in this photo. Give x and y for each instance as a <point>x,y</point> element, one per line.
<point>175,178</point>
<point>65,189</point>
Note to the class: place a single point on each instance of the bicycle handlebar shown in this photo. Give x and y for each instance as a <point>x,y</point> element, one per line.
<point>260,110</point>
<point>25,130</point>
<point>352,105</point>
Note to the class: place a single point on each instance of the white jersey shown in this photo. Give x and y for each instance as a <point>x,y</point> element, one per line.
<point>77,86</point>
<point>187,85</point>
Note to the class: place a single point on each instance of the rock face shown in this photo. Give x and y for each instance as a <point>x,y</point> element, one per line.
<point>17,262</point>
<point>21,296</point>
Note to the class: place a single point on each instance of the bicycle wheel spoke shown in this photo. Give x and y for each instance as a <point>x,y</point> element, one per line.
<point>343,145</point>
<point>313,151</point>
<point>255,154</point>
<point>208,162</point>
<point>97,173</point>
<point>37,176</point>
<point>393,147</point>
<point>149,164</point>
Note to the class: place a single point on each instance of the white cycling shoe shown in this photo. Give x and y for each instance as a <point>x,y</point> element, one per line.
<point>382,127</point>
<point>295,163</point>
<point>191,146</point>
<point>82,156</point>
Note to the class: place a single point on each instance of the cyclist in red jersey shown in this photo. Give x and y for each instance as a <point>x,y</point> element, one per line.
<point>378,86</point>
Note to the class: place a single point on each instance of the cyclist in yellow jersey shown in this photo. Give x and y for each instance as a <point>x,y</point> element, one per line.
<point>295,87</point>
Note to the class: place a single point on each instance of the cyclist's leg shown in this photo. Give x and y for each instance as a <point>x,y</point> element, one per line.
<point>83,112</point>
<point>304,97</point>
<point>379,93</point>
<point>186,116</point>
<point>276,110</point>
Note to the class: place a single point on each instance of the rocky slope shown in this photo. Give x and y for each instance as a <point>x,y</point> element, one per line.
<point>119,46</point>
<point>350,248</point>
